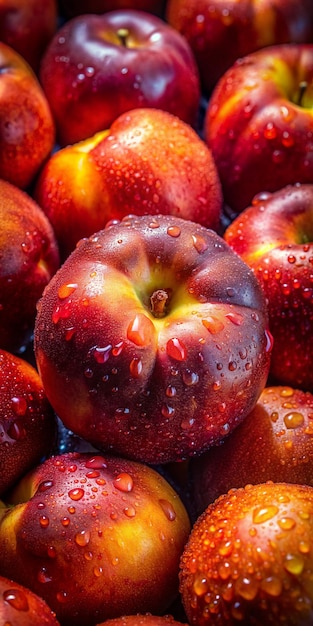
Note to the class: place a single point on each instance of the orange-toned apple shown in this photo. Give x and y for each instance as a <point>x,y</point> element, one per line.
<point>21,607</point>
<point>148,162</point>
<point>27,131</point>
<point>29,257</point>
<point>28,27</point>
<point>27,421</point>
<point>274,442</point>
<point>95,536</point>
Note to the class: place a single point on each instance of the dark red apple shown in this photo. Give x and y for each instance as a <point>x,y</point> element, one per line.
<point>99,66</point>
<point>71,8</point>
<point>28,27</point>
<point>142,620</point>
<point>146,345</point>
<point>148,162</point>
<point>249,559</point>
<point>274,236</point>
<point>274,442</point>
<point>27,422</point>
<point>21,607</point>
<point>259,124</point>
<point>221,31</point>
<point>29,257</point>
<point>27,132</point>
<point>95,536</point>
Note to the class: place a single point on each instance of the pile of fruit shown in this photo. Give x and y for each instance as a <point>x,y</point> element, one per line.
<point>156,312</point>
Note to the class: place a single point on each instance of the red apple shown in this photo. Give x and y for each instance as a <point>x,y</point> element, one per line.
<point>29,257</point>
<point>249,559</point>
<point>95,536</point>
<point>274,236</point>
<point>146,346</point>
<point>27,131</point>
<point>142,620</point>
<point>259,123</point>
<point>27,421</point>
<point>274,442</point>
<point>21,607</point>
<point>221,31</point>
<point>99,66</point>
<point>71,8</point>
<point>28,27</point>
<point>148,162</point>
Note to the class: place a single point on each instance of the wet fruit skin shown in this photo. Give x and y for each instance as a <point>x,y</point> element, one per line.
<point>258,123</point>
<point>248,559</point>
<point>28,27</point>
<point>29,257</point>
<point>142,620</point>
<point>146,346</point>
<point>99,66</point>
<point>95,536</point>
<point>27,131</point>
<point>221,31</point>
<point>21,607</point>
<point>27,421</point>
<point>274,236</point>
<point>148,162</point>
<point>274,442</point>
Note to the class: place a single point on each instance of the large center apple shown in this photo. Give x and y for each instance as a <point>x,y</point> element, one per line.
<point>151,339</point>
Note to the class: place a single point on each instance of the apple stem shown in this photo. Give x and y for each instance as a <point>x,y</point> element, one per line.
<point>123,34</point>
<point>302,88</point>
<point>159,301</point>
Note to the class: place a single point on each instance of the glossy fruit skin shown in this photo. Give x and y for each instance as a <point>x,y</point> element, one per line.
<point>221,31</point>
<point>274,236</point>
<point>145,619</point>
<point>259,122</point>
<point>21,607</point>
<point>248,559</point>
<point>27,422</point>
<point>125,377</point>
<point>91,73</point>
<point>27,132</point>
<point>28,27</point>
<point>29,257</point>
<point>95,537</point>
<point>71,8</point>
<point>148,162</point>
<point>274,442</point>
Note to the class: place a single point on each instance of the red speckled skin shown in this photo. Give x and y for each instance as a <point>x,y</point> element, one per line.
<point>221,31</point>
<point>274,237</point>
<point>259,123</point>
<point>27,132</point>
<point>154,67</point>
<point>142,620</point>
<point>250,553</point>
<point>95,537</point>
<point>274,442</point>
<point>148,162</point>
<point>153,389</point>
<point>21,607</point>
<point>27,422</point>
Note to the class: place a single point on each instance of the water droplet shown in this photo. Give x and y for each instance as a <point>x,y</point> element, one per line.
<point>235,318</point>
<point>76,494</point>
<point>66,290</point>
<point>96,462</point>
<point>16,598</point>
<point>82,538</point>
<point>176,349</point>
<point>272,586</point>
<point>167,411</point>
<point>123,482</point>
<point>200,243</point>
<point>264,513</point>
<point>190,378</point>
<point>45,485</point>
<point>44,521</point>
<point>129,511</point>
<point>102,355</point>
<point>43,576</point>
<point>269,341</point>
<point>294,419</point>
<point>174,231</point>
<point>140,330</point>
<point>270,131</point>
<point>171,391</point>
<point>135,367</point>
<point>168,509</point>
<point>16,431</point>
<point>286,523</point>
<point>200,585</point>
<point>294,564</point>
<point>19,405</point>
<point>213,324</point>
<point>247,588</point>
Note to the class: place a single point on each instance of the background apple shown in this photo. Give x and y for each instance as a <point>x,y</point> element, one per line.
<point>274,442</point>
<point>250,555</point>
<point>258,123</point>
<point>99,66</point>
<point>29,257</point>
<point>146,346</point>
<point>27,422</point>
<point>20,607</point>
<point>71,8</point>
<point>28,27</point>
<point>95,537</point>
<point>221,31</point>
<point>142,620</point>
<point>27,132</point>
<point>148,162</point>
<point>274,236</point>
